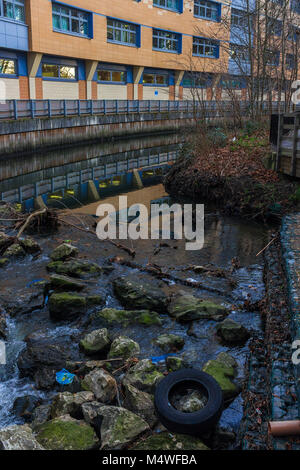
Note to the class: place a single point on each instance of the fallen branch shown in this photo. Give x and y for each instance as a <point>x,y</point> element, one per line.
<point>28,220</point>
<point>267,246</point>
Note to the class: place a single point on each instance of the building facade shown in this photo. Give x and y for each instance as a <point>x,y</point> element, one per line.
<point>114,49</point>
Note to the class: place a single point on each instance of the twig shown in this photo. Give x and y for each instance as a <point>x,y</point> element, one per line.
<point>267,246</point>
<point>35,214</point>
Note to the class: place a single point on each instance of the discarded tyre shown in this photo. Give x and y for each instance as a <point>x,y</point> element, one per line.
<point>194,423</point>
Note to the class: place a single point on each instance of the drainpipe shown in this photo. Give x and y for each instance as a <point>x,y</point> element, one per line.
<point>284,428</point>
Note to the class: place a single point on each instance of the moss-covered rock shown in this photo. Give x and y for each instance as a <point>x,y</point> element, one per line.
<point>3,262</point>
<point>143,376</point>
<point>94,300</point>
<point>169,343</point>
<point>30,246</point>
<point>15,251</point>
<point>65,283</point>
<point>167,441</point>
<point>232,332</point>
<point>95,342</point>
<point>186,307</point>
<point>66,306</point>
<point>4,240</point>
<point>75,268</point>
<point>69,403</point>
<point>102,384</point>
<point>64,433</point>
<point>63,252</point>
<point>139,296</point>
<point>124,348</point>
<point>174,363</point>
<point>119,427</point>
<point>224,375</point>
<point>140,403</point>
<point>126,317</point>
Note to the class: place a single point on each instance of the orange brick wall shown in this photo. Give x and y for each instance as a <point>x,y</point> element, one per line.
<point>171,92</point>
<point>140,91</point>
<point>130,91</point>
<point>24,88</point>
<point>39,88</point>
<point>82,89</point>
<point>94,91</point>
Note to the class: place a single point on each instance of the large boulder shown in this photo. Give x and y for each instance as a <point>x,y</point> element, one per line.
<point>30,246</point>
<point>139,296</point>
<point>143,376</point>
<point>123,347</point>
<point>224,370</point>
<point>75,268</point>
<point>169,343</point>
<point>126,317</point>
<point>65,283</point>
<point>70,403</point>
<point>232,332</point>
<point>91,412</point>
<point>24,407</point>
<point>40,416</point>
<point>95,342</point>
<point>186,307</point>
<point>119,427</point>
<point>65,433</point>
<point>140,403</point>
<point>18,438</point>
<point>15,251</point>
<point>66,306</point>
<point>168,441</point>
<point>102,384</point>
<point>63,252</point>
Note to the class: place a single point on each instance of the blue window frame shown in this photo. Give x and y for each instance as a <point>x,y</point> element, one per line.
<point>239,18</point>
<point>8,67</point>
<point>122,32</point>
<point>290,62</point>
<point>59,72</point>
<point>207,10</point>
<point>13,9</point>
<point>71,20</point>
<point>274,26</point>
<point>155,79</point>
<point>166,41</point>
<point>239,53</point>
<point>112,76</point>
<point>232,83</point>
<point>174,5</point>
<point>272,58</point>
<point>196,80</point>
<point>204,47</point>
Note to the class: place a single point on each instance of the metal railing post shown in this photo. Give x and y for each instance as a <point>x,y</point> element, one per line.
<point>65,108</point>
<point>79,108</point>
<point>15,109</point>
<point>104,106</point>
<point>49,108</point>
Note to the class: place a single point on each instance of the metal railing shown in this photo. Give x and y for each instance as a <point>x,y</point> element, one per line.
<point>22,109</point>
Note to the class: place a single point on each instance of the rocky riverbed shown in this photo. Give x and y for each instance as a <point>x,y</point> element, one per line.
<point>71,301</point>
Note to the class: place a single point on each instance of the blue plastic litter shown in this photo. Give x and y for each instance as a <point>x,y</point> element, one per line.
<point>35,281</point>
<point>46,299</point>
<point>157,359</point>
<point>64,377</point>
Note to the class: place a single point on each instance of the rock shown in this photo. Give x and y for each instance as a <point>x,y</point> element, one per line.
<point>4,241</point>
<point>24,407</point>
<point>140,403</point>
<point>102,384</point>
<point>95,342</point>
<point>65,306</point>
<point>126,317</point>
<point>64,251</point>
<point>124,348</point>
<point>70,404</point>
<point>30,246</point>
<point>168,441</point>
<point>224,375</point>
<point>174,363</point>
<point>3,262</point>
<point>40,416</point>
<point>191,403</point>
<point>18,438</point>
<point>64,283</point>
<point>143,376</point>
<point>91,412</point>
<point>186,307</point>
<point>119,427</point>
<point>94,300</point>
<point>169,343</point>
<point>15,251</point>
<point>3,325</point>
<point>139,296</point>
<point>65,433</point>
<point>74,268</point>
<point>227,360</point>
<point>232,332</point>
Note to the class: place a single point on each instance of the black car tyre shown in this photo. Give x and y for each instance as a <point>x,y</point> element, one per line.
<point>189,423</point>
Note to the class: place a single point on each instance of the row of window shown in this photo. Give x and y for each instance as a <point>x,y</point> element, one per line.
<point>13,9</point>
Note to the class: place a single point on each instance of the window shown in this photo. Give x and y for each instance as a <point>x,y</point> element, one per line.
<point>166,41</point>
<point>8,67</point>
<point>274,26</point>
<point>272,58</point>
<point>155,79</point>
<point>208,10</point>
<point>239,18</point>
<point>290,62</point>
<point>13,9</point>
<point>122,32</point>
<point>168,4</point>
<point>196,80</point>
<point>112,76</point>
<point>206,47</point>
<point>59,72</point>
<point>239,53</point>
<point>70,20</point>
<point>232,83</point>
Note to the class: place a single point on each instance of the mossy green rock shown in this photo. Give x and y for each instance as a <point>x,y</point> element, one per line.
<point>224,375</point>
<point>15,251</point>
<point>167,441</point>
<point>143,376</point>
<point>139,296</point>
<point>65,306</point>
<point>232,332</point>
<point>186,307</point>
<point>65,283</point>
<point>174,363</point>
<point>119,427</point>
<point>95,342</point>
<point>63,252</point>
<point>75,268</point>
<point>126,317</point>
<point>30,246</point>
<point>169,342</point>
<point>124,348</point>
<point>140,403</point>
<point>67,434</point>
<point>69,403</point>
<point>3,262</point>
<point>94,300</point>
